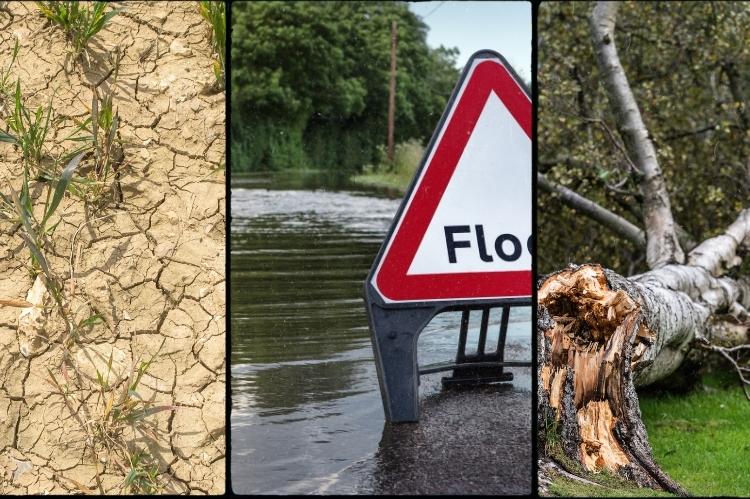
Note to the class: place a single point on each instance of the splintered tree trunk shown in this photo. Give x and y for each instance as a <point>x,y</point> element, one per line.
<point>594,341</point>
<point>601,335</point>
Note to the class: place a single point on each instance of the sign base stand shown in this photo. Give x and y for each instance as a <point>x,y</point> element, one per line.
<point>482,367</point>
<point>477,377</point>
<point>395,331</point>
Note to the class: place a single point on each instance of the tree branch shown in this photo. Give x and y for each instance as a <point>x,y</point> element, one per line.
<point>589,208</point>
<point>686,239</point>
<point>662,243</point>
<point>719,253</point>
<point>689,133</point>
<point>726,352</point>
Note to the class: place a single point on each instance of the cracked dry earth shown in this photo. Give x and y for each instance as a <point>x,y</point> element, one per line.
<point>153,268</point>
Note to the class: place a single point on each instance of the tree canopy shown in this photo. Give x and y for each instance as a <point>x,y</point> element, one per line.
<point>310,82</point>
<point>689,69</point>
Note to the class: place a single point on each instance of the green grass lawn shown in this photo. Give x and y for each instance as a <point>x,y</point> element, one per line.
<point>700,438</point>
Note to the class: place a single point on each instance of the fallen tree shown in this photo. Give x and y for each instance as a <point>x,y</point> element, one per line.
<point>601,335</point>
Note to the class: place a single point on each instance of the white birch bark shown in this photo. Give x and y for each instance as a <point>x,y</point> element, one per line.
<point>594,211</point>
<point>662,243</point>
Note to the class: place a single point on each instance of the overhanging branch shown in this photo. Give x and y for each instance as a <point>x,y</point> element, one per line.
<point>591,209</point>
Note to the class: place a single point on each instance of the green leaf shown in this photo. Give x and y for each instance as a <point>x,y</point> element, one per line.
<point>15,52</point>
<point>90,321</point>
<point>113,130</point>
<point>131,477</point>
<point>100,380</point>
<point>6,137</point>
<point>51,230</point>
<point>83,138</point>
<point>62,186</point>
<point>47,119</point>
<point>37,255</point>
<point>25,201</point>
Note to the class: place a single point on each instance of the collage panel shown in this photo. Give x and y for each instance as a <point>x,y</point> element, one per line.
<point>112,249</point>
<point>643,188</point>
<point>347,119</point>
<point>465,248</point>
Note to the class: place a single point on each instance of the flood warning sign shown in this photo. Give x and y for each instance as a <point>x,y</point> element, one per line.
<point>464,229</point>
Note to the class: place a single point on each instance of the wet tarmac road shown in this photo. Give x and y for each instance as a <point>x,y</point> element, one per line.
<point>468,441</point>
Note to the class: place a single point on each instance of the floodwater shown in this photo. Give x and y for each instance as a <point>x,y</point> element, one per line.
<point>306,408</point>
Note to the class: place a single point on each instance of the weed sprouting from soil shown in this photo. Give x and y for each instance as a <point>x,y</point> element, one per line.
<point>119,412</point>
<point>30,129</point>
<point>119,406</point>
<point>35,233</point>
<point>19,209</point>
<point>5,82</point>
<point>102,139</point>
<point>215,14</point>
<point>80,21</point>
<point>142,477</point>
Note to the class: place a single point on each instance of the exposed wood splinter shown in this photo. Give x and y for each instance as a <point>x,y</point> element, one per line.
<point>594,336</point>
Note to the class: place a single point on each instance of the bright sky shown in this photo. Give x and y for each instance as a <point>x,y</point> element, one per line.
<point>501,26</point>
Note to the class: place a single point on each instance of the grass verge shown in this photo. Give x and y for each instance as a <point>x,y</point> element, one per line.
<point>395,176</point>
<point>567,487</point>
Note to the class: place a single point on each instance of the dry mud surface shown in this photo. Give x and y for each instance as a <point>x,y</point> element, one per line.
<point>152,267</point>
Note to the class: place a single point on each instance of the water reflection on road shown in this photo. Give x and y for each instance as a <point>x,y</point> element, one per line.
<point>306,410</point>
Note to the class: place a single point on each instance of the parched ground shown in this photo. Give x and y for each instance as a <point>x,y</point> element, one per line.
<point>152,267</point>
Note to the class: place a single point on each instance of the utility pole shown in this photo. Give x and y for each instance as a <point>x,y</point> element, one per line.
<point>392,93</point>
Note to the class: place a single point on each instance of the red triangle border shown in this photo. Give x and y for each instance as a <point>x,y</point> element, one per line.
<point>392,280</point>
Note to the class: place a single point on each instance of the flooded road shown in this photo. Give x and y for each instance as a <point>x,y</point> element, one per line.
<point>306,409</point>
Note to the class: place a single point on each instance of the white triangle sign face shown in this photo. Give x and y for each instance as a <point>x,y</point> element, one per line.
<point>464,229</point>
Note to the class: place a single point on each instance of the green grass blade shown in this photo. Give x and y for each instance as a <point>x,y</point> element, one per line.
<point>29,235</point>
<point>23,213</point>
<point>113,130</point>
<point>37,255</point>
<point>6,137</point>
<point>90,321</point>
<point>62,186</point>
<point>81,138</point>
<point>45,130</point>
<point>25,196</point>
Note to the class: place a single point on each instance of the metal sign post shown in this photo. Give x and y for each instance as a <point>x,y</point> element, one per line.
<point>461,239</point>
